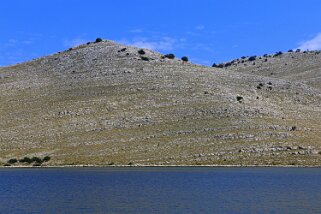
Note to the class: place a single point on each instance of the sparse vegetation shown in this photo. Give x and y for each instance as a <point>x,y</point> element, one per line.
<point>26,160</point>
<point>141,52</point>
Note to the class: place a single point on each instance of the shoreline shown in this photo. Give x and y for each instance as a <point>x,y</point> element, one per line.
<point>160,166</point>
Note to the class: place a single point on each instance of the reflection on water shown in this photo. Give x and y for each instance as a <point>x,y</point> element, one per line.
<point>161,190</point>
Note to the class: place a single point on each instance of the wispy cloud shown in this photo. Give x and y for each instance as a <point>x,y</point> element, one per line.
<point>161,44</point>
<point>313,44</point>
<point>137,30</point>
<point>74,42</point>
<point>200,27</point>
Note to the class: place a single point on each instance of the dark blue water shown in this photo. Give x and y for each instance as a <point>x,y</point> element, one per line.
<point>161,190</point>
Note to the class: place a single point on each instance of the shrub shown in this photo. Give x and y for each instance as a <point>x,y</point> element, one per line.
<point>214,65</point>
<point>144,58</point>
<point>12,161</point>
<point>169,56</point>
<point>220,65</point>
<point>228,64</point>
<point>290,51</point>
<point>88,43</point>
<point>98,40</point>
<point>141,51</point>
<point>46,159</point>
<point>25,160</point>
<point>184,58</point>
<point>278,54</point>
<point>36,159</point>
<point>239,98</point>
<point>298,50</point>
<point>252,58</point>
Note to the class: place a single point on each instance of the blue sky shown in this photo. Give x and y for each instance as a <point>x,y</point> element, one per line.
<point>206,31</point>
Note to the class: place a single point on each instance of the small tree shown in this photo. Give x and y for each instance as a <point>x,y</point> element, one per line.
<point>98,40</point>
<point>184,59</point>
<point>169,56</point>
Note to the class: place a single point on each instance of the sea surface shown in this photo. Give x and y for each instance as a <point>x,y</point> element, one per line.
<point>160,190</point>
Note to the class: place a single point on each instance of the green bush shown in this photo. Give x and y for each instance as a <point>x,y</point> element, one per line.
<point>36,159</point>
<point>141,51</point>
<point>25,160</point>
<point>278,54</point>
<point>169,56</point>
<point>46,159</point>
<point>184,59</point>
<point>98,40</point>
<point>12,161</point>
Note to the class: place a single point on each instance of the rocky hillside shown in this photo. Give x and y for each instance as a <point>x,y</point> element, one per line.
<point>107,104</point>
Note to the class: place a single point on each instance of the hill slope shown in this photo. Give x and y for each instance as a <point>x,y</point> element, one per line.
<point>102,104</point>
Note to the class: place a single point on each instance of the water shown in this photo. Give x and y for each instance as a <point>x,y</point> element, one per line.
<point>161,190</point>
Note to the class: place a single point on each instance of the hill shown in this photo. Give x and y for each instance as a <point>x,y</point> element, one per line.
<point>107,104</point>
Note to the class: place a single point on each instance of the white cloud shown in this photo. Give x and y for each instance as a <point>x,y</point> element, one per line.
<point>74,42</point>
<point>313,44</point>
<point>164,44</point>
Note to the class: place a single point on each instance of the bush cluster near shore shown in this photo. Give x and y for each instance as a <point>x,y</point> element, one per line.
<point>36,161</point>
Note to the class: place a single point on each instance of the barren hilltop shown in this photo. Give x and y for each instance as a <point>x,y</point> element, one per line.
<point>103,103</point>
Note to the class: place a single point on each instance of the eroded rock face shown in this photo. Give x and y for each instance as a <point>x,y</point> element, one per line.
<point>102,103</point>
